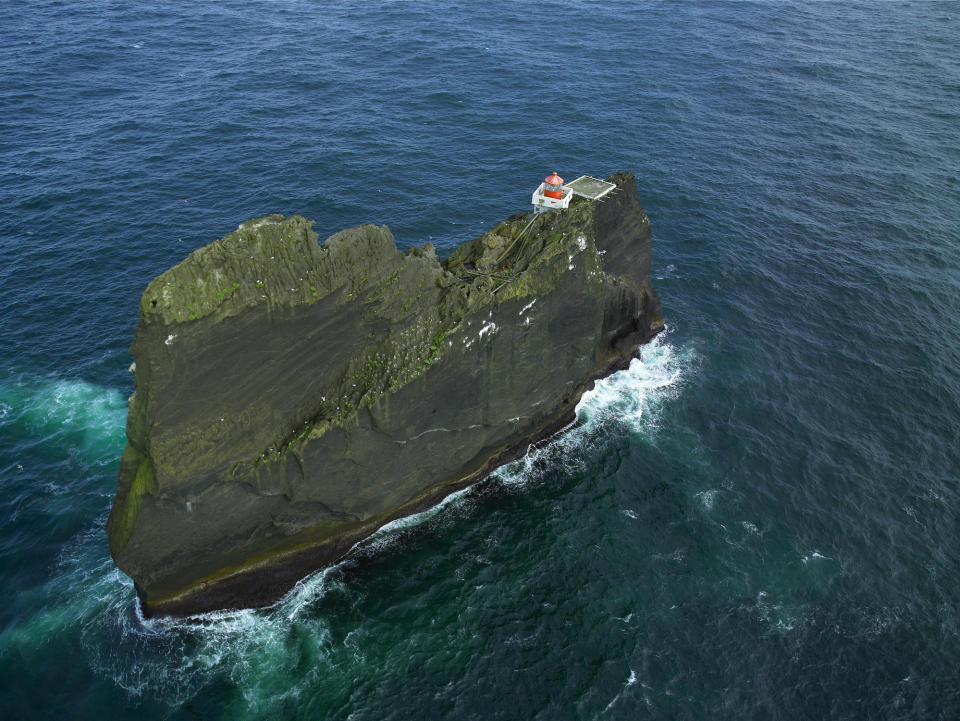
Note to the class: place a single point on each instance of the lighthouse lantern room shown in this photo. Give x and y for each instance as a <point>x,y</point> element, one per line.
<point>551,194</point>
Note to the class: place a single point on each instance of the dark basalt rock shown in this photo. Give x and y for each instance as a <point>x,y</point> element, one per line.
<point>292,397</point>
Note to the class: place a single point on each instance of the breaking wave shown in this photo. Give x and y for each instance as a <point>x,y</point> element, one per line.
<point>630,399</point>
<point>634,396</point>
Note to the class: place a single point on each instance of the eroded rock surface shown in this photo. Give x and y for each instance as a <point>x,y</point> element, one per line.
<point>293,397</point>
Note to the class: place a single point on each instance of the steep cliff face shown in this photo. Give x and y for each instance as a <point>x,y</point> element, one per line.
<point>292,397</point>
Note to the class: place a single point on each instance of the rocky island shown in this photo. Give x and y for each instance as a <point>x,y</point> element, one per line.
<point>291,397</point>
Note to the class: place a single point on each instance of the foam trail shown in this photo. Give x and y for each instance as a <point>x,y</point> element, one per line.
<point>71,412</point>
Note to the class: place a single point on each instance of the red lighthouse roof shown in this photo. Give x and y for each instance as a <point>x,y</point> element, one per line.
<point>553,179</point>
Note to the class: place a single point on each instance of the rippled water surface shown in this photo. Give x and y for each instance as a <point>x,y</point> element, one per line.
<point>759,519</point>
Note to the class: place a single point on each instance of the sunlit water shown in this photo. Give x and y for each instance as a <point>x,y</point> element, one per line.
<point>757,519</point>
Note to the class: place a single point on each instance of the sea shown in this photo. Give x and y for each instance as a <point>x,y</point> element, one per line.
<point>759,519</point>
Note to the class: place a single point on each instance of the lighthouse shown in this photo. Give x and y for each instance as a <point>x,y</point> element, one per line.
<point>551,194</point>
<point>553,186</point>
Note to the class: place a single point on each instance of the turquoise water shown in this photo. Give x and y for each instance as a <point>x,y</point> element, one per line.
<point>759,519</point>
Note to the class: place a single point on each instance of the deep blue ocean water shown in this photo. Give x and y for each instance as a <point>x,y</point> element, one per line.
<point>759,520</point>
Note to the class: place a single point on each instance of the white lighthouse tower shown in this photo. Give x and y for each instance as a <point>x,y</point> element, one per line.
<point>551,194</point>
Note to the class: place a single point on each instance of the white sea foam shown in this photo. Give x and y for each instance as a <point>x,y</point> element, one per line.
<point>75,413</point>
<point>631,681</point>
<point>634,397</point>
<point>707,498</point>
<point>781,617</point>
<point>388,534</point>
<point>252,647</point>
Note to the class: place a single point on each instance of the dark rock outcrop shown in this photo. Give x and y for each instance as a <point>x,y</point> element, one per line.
<point>293,397</point>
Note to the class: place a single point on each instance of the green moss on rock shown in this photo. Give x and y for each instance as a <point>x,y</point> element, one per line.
<point>136,481</point>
